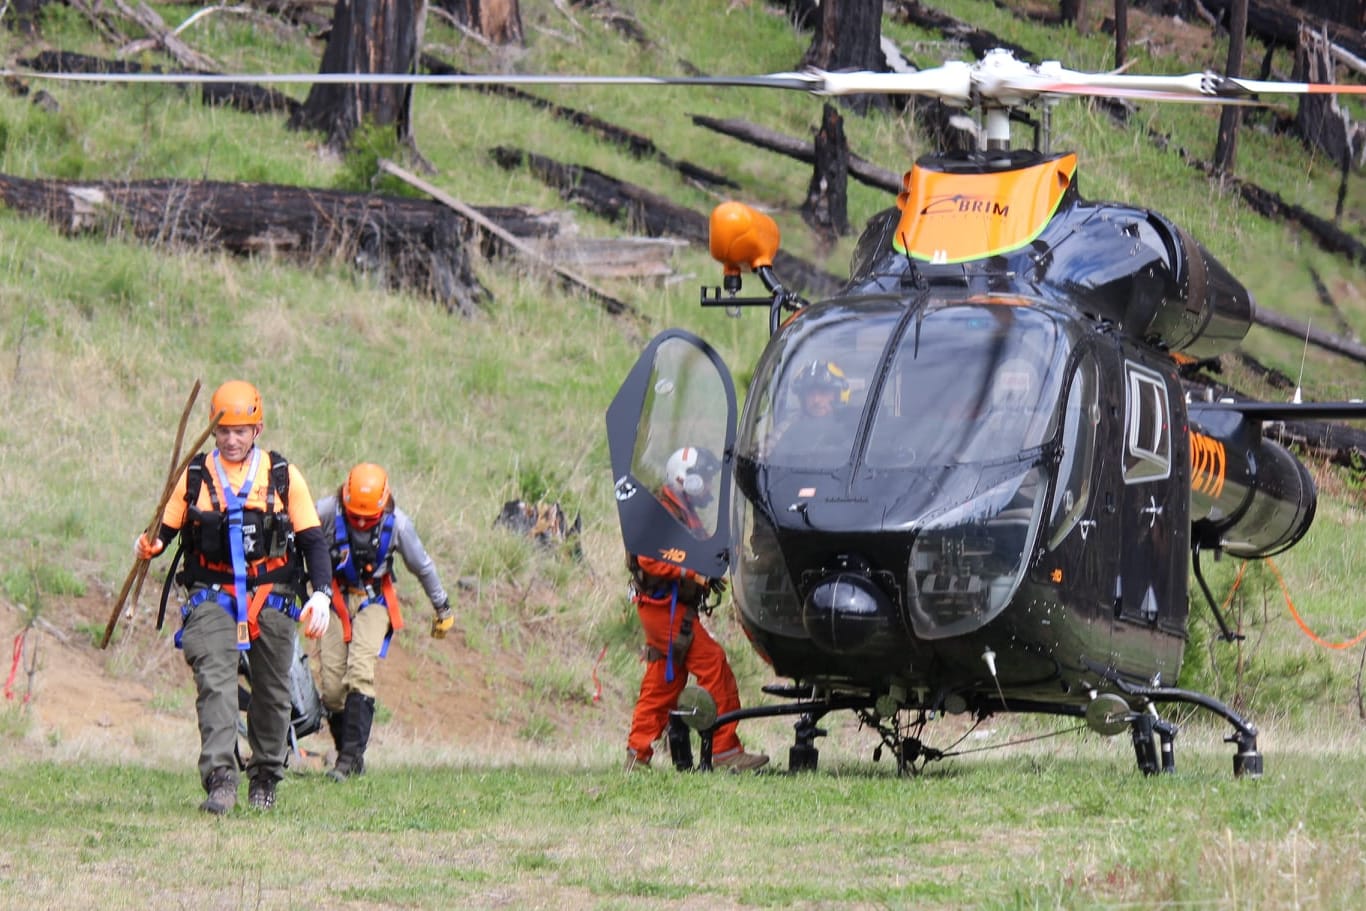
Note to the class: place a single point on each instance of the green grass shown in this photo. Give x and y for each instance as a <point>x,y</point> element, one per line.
<point>1040,830</point>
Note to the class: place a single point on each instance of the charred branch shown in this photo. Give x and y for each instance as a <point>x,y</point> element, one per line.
<point>860,169</point>
<point>253,99</point>
<point>978,40</point>
<point>636,145</point>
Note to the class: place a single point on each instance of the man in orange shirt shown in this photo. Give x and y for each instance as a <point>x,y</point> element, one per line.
<point>669,600</point>
<point>248,529</point>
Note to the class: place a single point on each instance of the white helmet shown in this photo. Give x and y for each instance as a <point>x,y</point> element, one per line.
<point>688,470</point>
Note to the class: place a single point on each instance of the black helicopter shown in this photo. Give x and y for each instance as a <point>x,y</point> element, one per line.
<point>999,512</point>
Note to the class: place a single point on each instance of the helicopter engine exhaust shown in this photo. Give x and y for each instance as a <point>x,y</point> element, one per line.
<point>1249,496</point>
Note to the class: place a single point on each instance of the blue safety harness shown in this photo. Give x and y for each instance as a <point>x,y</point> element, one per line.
<point>238,603</point>
<point>344,566</point>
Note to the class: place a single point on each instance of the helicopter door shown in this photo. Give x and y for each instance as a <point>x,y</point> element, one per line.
<point>1151,589</point>
<point>671,435</point>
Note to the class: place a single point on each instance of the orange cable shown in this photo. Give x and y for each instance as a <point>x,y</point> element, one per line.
<point>1304,626</point>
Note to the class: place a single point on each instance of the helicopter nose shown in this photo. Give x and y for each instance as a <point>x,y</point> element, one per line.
<point>846,613</point>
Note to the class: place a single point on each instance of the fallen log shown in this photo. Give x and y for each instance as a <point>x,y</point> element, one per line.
<point>253,99</point>
<point>1279,24</point>
<point>1304,332</point>
<point>414,245</point>
<point>646,212</point>
<point>151,22</point>
<point>609,303</point>
<point>1327,235</point>
<point>978,40</point>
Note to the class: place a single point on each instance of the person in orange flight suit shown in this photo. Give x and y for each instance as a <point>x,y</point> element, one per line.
<point>669,600</point>
<point>248,530</point>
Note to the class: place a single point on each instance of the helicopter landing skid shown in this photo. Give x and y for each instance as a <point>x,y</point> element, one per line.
<point>1247,760</point>
<point>803,756</point>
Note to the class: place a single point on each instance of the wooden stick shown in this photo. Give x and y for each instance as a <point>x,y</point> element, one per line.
<point>161,507</point>
<point>155,526</point>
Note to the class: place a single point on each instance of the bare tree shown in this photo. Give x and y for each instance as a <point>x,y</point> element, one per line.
<point>848,36</point>
<point>1226,148</point>
<point>1121,32</point>
<point>368,36</point>
<point>1073,12</point>
<point>500,21</point>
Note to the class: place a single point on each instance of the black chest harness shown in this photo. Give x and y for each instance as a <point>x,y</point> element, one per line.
<point>267,535</point>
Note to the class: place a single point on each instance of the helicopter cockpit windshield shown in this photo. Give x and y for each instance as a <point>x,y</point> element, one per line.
<point>957,381</point>
<point>916,435</point>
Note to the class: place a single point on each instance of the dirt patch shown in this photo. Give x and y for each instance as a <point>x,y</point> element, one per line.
<point>135,700</point>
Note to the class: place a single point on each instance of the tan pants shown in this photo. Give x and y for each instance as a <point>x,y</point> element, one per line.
<point>350,667</point>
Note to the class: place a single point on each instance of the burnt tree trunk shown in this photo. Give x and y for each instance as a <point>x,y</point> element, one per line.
<point>1073,13</point>
<point>1279,23</point>
<point>827,198</point>
<point>1121,33</point>
<point>1320,120</point>
<point>500,21</point>
<point>1226,146</point>
<point>413,245</point>
<point>24,17</point>
<point>368,36</point>
<point>849,36</point>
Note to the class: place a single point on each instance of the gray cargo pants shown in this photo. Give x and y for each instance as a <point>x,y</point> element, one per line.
<point>209,639</point>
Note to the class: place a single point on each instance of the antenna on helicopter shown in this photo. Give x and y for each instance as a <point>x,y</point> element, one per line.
<point>1299,380</point>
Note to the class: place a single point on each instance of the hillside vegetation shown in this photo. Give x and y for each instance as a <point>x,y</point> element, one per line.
<point>104,337</point>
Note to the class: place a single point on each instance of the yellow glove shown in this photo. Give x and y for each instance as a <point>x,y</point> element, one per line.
<point>443,621</point>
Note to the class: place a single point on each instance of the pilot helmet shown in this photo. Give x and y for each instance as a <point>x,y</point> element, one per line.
<point>823,376</point>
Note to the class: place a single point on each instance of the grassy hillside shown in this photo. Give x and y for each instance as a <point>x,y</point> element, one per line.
<point>494,781</point>
<point>103,338</point>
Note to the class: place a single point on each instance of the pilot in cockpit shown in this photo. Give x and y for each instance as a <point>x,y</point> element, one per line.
<point>822,391</point>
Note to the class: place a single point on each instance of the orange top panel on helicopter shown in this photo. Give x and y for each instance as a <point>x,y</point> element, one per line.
<point>952,217</point>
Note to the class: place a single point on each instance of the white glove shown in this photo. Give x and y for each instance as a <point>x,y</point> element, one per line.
<point>316,615</point>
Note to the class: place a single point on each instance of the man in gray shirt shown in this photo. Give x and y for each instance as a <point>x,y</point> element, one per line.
<point>365,529</point>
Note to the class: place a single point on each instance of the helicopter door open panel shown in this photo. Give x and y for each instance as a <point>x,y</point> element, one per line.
<point>671,435</point>
<point>1154,512</point>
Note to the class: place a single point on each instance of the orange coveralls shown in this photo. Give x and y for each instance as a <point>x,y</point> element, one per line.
<point>705,659</point>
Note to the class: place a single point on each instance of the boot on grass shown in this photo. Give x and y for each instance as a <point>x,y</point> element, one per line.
<point>359,715</point>
<point>222,787</point>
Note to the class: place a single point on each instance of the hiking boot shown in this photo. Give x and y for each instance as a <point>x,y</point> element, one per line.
<point>358,716</point>
<point>740,761</point>
<point>346,767</point>
<point>261,794</point>
<point>634,763</point>
<point>222,787</point>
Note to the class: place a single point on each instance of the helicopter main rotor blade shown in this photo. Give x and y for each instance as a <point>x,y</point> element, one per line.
<point>999,79</point>
<point>808,82</point>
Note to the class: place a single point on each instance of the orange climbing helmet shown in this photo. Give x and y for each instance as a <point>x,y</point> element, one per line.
<point>366,491</point>
<point>239,403</point>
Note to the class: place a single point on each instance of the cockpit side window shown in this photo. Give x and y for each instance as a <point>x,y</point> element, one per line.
<point>1081,417</point>
<point>1148,442</point>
